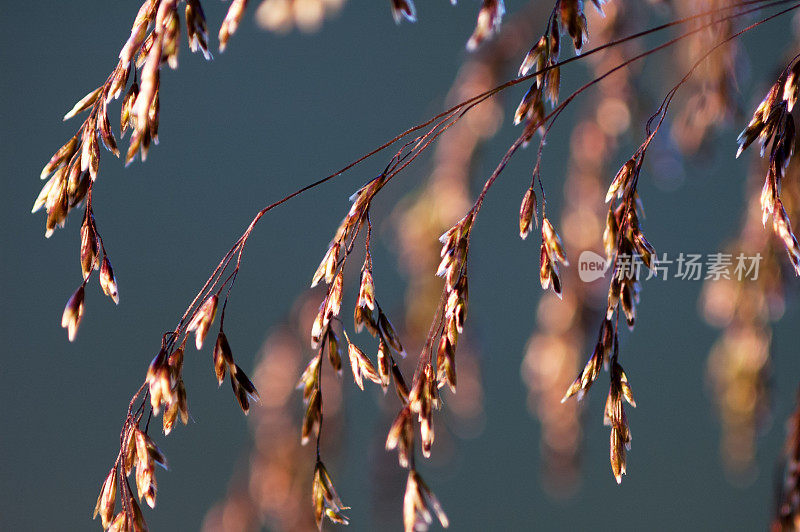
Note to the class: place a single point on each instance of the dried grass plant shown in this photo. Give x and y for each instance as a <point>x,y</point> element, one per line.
<point>603,210</point>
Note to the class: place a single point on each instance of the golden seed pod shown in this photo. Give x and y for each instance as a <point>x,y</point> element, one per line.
<point>89,149</point>
<point>758,126</point>
<point>336,517</point>
<point>548,272</point>
<point>152,118</point>
<point>147,451</point>
<point>172,33</point>
<point>782,227</point>
<point>447,260</point>
<point>81,189</point>
<point>175,361</point>
<point>527,104</point>
<point>141,141</point>
<point>614,290</point>
<point>241,395</point>
<point>534,58</point>
<point>119,524</point>
<point>426,434</point>
<point>138,524</point>
<point>177,405</point>
<point>60,157</point>
<point>644,248</point>
<point>412,504</point>
<point>41,199</point>
<point>320,324</point>
<point>146,484</point>
<point>361,366</point>
<point>159,380</point>
<point>366,291</point>
<point>554,39</point>
<point>612,411</point>
<point>138,32</point>
<point>790,88</point>
<point>460,305</point>
<point>417,400</point>
<point>617,454</point>
<point>587,377</point>
<point>327,267</point>
<point>243,388</point>
<point>312,418</point>
<point>127,119</point>
<point>614,416</point>
<point>363,317</point>
<point>451,304</point>
<point>170,415</point>
<point>555,248</point>
<point>335,297</point>
<point>106,500</point>
<point>454,271</point>
<point>418,502</point>
<point>400,384</point>
<point>56,190</point>
<point>183,405</point>
<point>150,80</point>
<point>137,142</point>
<point>433,388</point>
<point>147,454</point>
<point>75,179</point>
<point>73,312</point>
<point>327,485</point>
<point>88,247</point>
<point>129,449</point>
<point>575,388</point>
<point>119,79</point>
<point>309,378</point>
<point>388,333</point>
<point>325,500</point>
<point>573,18</point>
<point>108,282</point>
<point>489,18</point>
<point>446,364</point>
<point>57,208</point>
<point>104,128</point>
<point>628,301</point>
<point>231,22</point>
<point>607,338</point>
<point>223,357</point>
<point>625,388</point>
<point>621,180</point>
<point>452,332</point>
<point>552,84</point>
<point>84,103</point>
<point>334,352</point>
<point>424,395</point>
<point>401,436</point>
<point>384,365</point>
<point>196,31</point>
<point>527,211</point>
<point>317,500</point>
<point>768,198</point>
<point>143,458</point>
<point>610,234</point>
<point>202,320</point>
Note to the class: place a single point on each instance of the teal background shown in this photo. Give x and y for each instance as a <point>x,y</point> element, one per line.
<point>268,115</point>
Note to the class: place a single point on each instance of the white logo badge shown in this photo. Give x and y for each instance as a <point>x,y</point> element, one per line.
<point>592,266</point>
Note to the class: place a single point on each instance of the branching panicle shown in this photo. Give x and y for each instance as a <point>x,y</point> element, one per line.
<point>154,41</point>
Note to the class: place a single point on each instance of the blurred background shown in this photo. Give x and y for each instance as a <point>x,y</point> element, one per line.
<point>279,110</point>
